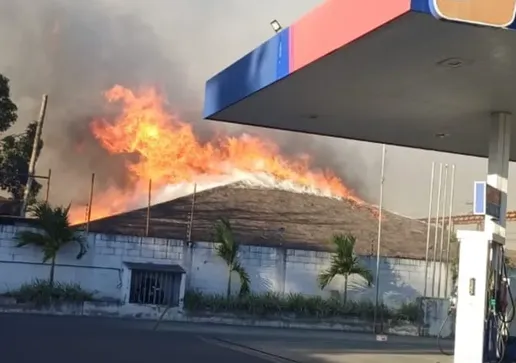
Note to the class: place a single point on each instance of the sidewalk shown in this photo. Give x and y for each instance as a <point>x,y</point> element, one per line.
<point>319,346</point>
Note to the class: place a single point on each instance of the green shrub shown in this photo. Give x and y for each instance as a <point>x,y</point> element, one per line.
<point>408,312</point>
<point>41,292</point>
<point>294,305</point>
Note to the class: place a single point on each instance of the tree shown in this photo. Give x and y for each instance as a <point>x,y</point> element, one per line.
<point>53,232</point>
<point>344,262</point>
<point>15,153</point>
<point>8,109</point>
<point>227,249</point>
<point>15,150</point>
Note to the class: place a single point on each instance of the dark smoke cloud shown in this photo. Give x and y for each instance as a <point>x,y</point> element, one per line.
<point>75,50</point>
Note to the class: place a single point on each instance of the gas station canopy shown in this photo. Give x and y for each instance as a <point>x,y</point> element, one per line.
<point>385,71</point>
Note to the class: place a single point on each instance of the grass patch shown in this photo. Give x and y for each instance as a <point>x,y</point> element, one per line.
<point>295,305</point>
<point>41,293</point>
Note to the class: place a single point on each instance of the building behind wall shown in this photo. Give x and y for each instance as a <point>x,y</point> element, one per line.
<point>284,240</point>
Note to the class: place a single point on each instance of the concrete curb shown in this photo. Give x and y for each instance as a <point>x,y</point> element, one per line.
<point>352,326</point>
<point>132,311</point>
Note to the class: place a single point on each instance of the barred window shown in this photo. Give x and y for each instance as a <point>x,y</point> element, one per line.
<point>155,284</point>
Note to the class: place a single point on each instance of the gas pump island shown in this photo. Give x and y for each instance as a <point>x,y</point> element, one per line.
<point>428,74</point>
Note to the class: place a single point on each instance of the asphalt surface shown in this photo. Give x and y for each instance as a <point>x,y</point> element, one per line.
<point>38,339</point>
<point>33,338</point>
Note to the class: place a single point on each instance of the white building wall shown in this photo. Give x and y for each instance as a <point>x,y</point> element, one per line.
<point>101,269</point>
<point>401,280</point>
<point>270,269</point>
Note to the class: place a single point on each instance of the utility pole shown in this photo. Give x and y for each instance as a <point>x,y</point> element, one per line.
<point>34,155</point>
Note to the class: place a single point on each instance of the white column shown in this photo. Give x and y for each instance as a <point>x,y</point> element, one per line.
<point>471,297</point>
<point>478,255</point>
<point>498,167</point>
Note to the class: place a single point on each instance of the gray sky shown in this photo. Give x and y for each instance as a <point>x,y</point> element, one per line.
<point>184,42</point>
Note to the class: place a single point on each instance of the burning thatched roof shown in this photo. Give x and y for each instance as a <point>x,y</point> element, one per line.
<point>271,217</point>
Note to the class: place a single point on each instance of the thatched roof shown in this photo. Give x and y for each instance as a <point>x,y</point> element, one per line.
<point>270,217</point>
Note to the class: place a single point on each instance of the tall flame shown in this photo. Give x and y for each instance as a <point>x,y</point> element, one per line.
<point>169,153</point>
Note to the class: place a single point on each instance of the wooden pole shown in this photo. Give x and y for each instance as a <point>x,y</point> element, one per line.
<point>47,194</point>
<point>90,202</point>
<point>33,157</point>
<point>191,217</point>
<point>149,202</point>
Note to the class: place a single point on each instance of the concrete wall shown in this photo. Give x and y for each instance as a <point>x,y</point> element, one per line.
<point>270,269</point>
<point>435,319</point>
<point>102,269</point>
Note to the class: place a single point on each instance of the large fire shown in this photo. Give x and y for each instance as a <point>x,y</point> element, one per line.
<point>169,153</point>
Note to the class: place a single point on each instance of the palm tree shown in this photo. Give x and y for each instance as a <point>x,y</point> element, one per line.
<point>344,262</point>
<point>53,232</point>
<point>227,249</point>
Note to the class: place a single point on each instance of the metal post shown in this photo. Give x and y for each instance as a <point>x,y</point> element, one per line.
<point>436,226</point>
<point>450,227</point>
<point>34,155</point>
<point>428,225</point>
<point>379,241</point>
<point>47,194</point>
<point>90,202</point>
<point>441,242</point>
<point>149,201</point>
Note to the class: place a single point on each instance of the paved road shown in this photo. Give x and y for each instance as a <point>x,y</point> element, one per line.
<point>29,338</point>
<point>37,339</point>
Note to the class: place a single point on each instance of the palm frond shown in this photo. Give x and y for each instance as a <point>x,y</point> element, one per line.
<point>245,281</point>
<point>344,261</point>
<point>227,249</point>
<point>54,230</point>
<point>345,244</point>
<point>362,272</point>
<point>326,276</point>
<point>25,238</point>
<point>344,256</point>
<point>49,252</point>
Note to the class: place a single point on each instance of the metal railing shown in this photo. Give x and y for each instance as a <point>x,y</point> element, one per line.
<point>154,287</point>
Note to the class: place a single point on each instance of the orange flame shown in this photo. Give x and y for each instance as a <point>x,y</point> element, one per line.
<point>169,153</point>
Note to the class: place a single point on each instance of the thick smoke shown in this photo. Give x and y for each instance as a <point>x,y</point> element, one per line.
<point>74,50</point>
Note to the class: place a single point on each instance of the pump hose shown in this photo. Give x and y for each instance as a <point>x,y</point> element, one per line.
<point>439,335</point>
<point>502,320</point>
<point>511,299</point>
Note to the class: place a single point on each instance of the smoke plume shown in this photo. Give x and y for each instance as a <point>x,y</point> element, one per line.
<point>75,50</point>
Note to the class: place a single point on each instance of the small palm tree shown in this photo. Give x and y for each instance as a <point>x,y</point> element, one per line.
<point>53,232</point>
<point>227,249</point>
<point>344,262</point>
